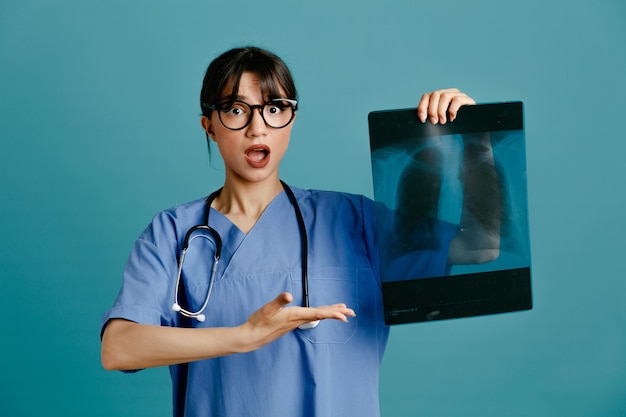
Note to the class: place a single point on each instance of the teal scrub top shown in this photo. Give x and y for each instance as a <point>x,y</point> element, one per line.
<point>332,369</point>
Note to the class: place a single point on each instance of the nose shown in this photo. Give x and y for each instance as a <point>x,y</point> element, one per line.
<point>257,125</point>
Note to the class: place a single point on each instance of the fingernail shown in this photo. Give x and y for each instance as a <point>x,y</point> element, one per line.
<point>433,120</point>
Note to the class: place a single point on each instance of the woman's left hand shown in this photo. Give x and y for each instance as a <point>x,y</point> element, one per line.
<point>442,105</point>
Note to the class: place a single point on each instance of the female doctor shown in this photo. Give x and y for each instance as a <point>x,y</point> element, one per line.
<point>240,338</point>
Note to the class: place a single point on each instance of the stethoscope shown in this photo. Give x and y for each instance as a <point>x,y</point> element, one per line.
<point>217,241</point>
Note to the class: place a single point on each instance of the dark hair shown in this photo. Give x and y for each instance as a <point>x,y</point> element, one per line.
<point>226,70</point>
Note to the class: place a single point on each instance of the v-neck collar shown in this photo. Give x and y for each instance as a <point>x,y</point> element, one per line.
<point>227,223</point>
<point>234,239</point>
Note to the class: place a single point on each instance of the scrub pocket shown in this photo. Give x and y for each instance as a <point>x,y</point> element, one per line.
<point>332,285</point>
<point>235,297</point>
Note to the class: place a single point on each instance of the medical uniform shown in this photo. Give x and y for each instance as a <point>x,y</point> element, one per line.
<point>331,370</point>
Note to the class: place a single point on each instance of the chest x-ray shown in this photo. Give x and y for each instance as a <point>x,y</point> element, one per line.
<point>452,218</point>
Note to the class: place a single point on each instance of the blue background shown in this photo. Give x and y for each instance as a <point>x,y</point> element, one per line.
<point>99,130</point>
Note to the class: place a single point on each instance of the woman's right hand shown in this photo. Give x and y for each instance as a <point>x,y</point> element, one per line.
<point>274,319</point>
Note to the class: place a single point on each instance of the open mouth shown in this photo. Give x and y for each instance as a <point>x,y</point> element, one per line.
<point>257,155</point>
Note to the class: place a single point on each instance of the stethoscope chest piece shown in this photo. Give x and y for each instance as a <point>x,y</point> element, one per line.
<point>309,325</point>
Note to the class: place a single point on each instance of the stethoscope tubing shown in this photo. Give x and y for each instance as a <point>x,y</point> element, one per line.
<point>218,250</point>
<point>304,243</point>
<point>217,240</point>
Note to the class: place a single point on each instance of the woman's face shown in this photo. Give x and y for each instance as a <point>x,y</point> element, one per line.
<point>253,153</point>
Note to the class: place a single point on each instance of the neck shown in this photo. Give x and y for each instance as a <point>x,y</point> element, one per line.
<point>243,203</point>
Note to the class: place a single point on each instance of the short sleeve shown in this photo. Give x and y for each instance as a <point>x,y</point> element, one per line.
<point>149,277</point>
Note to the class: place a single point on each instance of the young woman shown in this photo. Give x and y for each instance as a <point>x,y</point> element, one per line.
<point>237,332</point>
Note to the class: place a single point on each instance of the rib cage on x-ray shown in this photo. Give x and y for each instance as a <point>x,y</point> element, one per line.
<point>427,173</point>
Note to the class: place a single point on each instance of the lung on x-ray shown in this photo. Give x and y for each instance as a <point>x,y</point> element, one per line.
<point>451,213</point>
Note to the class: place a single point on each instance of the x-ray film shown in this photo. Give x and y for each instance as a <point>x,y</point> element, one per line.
<point>452,213</point>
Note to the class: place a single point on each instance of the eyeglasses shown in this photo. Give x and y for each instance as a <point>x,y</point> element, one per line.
<point>276,113</point>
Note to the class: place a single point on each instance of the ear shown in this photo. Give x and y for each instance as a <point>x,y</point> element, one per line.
<point>207,125</point>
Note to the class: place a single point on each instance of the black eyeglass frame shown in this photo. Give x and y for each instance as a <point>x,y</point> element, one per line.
<point>219,107</point>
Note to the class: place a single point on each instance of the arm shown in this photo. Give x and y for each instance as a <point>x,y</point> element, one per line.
<point>127,345</point>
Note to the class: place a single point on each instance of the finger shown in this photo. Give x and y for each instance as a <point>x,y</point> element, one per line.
<point>338,312</point>
<point>433,107</point>
<point>338,305</point>
<point>422,107</point>
<point>440,101</point>
<point>341,308</point>
<point>457,102</point>
<point>446,97</point>
<point>343,314</point>
<point>308,314</point>
<point>442,108</point>
<point>277,304</point>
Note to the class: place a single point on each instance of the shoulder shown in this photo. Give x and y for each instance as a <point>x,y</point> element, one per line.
<point>326,198</point>
<point>171,220</point>
<point>182,211</point>
<point>352,211</point>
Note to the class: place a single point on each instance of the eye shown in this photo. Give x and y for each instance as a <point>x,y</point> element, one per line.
<point>277,106</point>
<point>236,109</point>
<point>274,109</point>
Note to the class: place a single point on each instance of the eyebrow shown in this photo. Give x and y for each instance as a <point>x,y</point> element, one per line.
<point>229,99</point>
<point>237,98</point>
<point>241,98</point>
